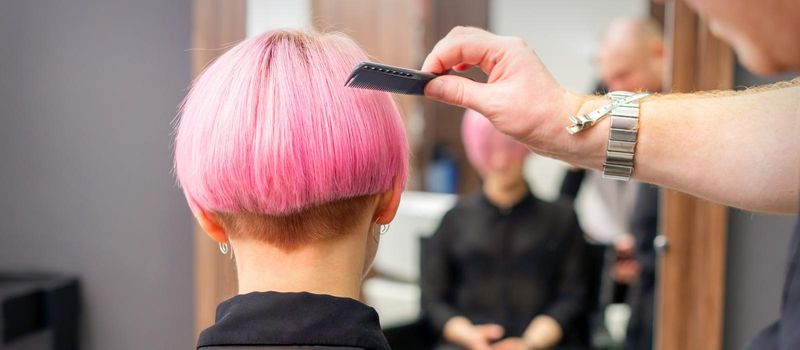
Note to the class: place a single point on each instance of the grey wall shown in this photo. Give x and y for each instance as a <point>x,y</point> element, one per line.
<point>88,90</point>
<point>757,249</point>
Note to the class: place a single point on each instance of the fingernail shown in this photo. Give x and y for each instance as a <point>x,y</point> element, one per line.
<point>434,89</point>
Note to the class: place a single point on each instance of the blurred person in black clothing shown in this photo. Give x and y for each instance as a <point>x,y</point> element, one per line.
<point>639,269</point>
<point>504,268</point>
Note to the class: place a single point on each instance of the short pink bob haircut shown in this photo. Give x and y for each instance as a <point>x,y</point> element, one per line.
<point>481,139</point>
<point>269,129</point>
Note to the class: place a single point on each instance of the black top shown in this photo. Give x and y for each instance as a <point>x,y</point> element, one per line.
<point>293,320</point>
<point>572,184</point>
<point>644,228</point>
<point>641,293</point>
<point>504,266</point>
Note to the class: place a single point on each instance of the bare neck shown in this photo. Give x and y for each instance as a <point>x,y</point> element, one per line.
<point>333,266</point>
<point>505,195</point>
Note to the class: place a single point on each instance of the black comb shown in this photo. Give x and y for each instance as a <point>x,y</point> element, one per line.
<point>382,77</point>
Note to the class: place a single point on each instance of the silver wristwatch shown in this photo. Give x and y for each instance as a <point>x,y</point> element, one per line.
<point>624,110</point>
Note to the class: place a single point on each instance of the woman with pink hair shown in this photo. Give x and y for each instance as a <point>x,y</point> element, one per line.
<point>504,269</point>
<point>294,173</point>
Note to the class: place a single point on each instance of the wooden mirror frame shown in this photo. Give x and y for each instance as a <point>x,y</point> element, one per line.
<point>691,283</point>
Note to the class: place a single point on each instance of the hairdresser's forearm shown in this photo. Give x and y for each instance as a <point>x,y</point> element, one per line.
<point>741,150</point>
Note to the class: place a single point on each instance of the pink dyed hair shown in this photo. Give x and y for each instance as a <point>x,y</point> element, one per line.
<point>269,128</point>
<point>480,139</point>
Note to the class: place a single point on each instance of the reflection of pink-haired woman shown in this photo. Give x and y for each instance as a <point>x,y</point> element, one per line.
<point>504,269</point>
<point>295,173</point>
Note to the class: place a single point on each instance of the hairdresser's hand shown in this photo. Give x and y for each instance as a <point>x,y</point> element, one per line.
<point>520,98</point>
<point>624,245</point>
<point>459,330</point>
<point>625,269</point>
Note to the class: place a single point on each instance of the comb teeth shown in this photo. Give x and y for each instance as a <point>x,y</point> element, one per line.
<point>374,76</point>
<point>371,86</point>
<point>365,83</point>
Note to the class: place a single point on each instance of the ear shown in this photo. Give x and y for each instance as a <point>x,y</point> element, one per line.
<point>388,203</point>
<point>211,225</point>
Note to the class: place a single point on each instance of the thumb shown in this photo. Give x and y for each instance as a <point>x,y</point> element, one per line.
<point>456,90</point>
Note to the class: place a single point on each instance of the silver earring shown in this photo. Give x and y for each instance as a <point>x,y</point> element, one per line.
<point>224,248</point>
<point>384,229</point>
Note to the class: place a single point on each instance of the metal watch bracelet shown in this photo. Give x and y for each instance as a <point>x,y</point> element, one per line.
<point>622,136</point>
